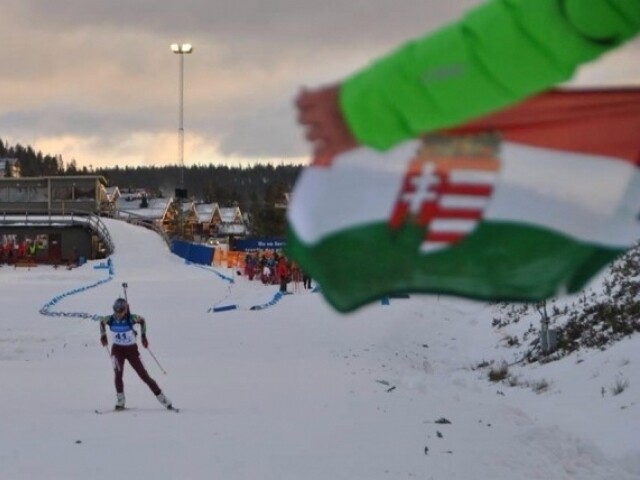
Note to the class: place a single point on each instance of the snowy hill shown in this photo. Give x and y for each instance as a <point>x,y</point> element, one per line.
<point>293,391</point>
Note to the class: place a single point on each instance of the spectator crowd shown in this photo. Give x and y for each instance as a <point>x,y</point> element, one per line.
<point>275,269</point>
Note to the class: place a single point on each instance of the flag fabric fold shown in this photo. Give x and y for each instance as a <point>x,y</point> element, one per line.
<point>520,205</point>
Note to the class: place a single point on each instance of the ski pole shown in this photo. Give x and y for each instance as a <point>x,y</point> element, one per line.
<point>124,288</point>
<point>156,360</point>
<point>111,359</point>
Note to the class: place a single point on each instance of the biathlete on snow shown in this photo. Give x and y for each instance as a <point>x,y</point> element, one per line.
<point>125,347</point>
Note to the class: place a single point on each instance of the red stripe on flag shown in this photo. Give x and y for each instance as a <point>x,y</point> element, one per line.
<point>428,210</point>
<point>458,213</point>
<point>463,189</point>
<point>596,122</point>
<point>400,212</point>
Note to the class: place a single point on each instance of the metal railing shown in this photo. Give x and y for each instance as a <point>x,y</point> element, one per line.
<point>141,221</point>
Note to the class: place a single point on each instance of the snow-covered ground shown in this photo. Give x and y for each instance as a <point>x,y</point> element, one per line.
<point>293,391</point>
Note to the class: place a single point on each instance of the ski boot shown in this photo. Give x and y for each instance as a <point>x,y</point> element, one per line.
<point>164,401</point>
<point>119,401</point>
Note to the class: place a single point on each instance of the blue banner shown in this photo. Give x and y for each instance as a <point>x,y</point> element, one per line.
<point>259,243</point>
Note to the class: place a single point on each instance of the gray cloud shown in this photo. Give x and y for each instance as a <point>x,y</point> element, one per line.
<point>102,69</point>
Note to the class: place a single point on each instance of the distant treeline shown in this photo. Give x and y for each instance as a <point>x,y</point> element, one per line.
<point>255,189</point>
<point>225,185</point>
<point>222,184</point>
<point>32,163</point>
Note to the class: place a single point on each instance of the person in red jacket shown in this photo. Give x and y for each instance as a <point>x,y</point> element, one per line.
<point>282,271</point>
<point>10,253</point>
<point>22,250</point>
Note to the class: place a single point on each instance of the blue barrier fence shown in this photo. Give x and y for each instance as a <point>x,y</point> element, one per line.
<point>47,307</point>
<point>193,252</point>
<point>276,298</point>
<point>214,271</point>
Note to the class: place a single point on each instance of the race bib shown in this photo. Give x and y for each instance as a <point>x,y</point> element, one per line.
<point>124,338</point>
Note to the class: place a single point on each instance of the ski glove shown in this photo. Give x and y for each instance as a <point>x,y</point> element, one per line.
<point>145,342</point>
<point>103,340</point>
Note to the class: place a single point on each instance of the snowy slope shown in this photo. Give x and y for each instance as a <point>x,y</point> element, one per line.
<point>293,391</point>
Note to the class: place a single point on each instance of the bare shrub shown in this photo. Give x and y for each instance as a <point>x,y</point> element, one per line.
<point>499,373</point>
<point>619,386</point>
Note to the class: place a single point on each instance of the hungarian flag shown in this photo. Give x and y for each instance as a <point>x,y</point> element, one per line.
<point>524,204</point>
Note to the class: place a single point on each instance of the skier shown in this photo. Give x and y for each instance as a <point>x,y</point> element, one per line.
<point>121,324</point>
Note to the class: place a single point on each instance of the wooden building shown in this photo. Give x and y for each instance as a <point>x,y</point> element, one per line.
<point>56,217</point>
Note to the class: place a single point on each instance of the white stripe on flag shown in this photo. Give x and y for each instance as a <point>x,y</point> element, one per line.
<point>473,177</point>
<point>588,197</point>
<point>440,225</point>
<point>430,247</point>
<point>473,202</point>
<point>584,196</point>
<point>361,187</point>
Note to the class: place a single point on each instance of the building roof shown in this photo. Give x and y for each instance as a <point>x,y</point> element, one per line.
<point>231,214</point>
<point>206,211</point>
<point>113,193</point>
<point>156,210</point>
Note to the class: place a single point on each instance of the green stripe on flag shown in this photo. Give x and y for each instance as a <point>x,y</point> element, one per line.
<point>498,261</point>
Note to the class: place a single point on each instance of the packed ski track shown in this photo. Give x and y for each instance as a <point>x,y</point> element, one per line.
<point>293,390</point>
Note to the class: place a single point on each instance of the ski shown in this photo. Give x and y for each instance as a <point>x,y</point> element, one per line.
<point>112,410</point>
<point>131,409</point>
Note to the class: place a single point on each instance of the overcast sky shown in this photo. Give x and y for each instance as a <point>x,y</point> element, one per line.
<point>96,81</point>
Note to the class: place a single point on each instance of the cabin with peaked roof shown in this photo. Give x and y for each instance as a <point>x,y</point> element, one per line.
<point>160,213</point>
<point>109,200</point>
<point>153,211</point>
<point>232,223</point>
<point>190,219</point>
<point>208,218</point>
<point>113,194</point>
<point>231,215</point>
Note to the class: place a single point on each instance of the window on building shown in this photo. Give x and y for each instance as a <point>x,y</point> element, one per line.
<point>84,193</point>
<point>62,193</point>
<point>18,193</point>
<point>38,192</point>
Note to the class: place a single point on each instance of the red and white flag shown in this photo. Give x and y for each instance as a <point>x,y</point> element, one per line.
<point>520,205</point>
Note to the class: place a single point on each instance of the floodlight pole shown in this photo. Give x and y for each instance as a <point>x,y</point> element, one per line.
<point>182,50</point>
